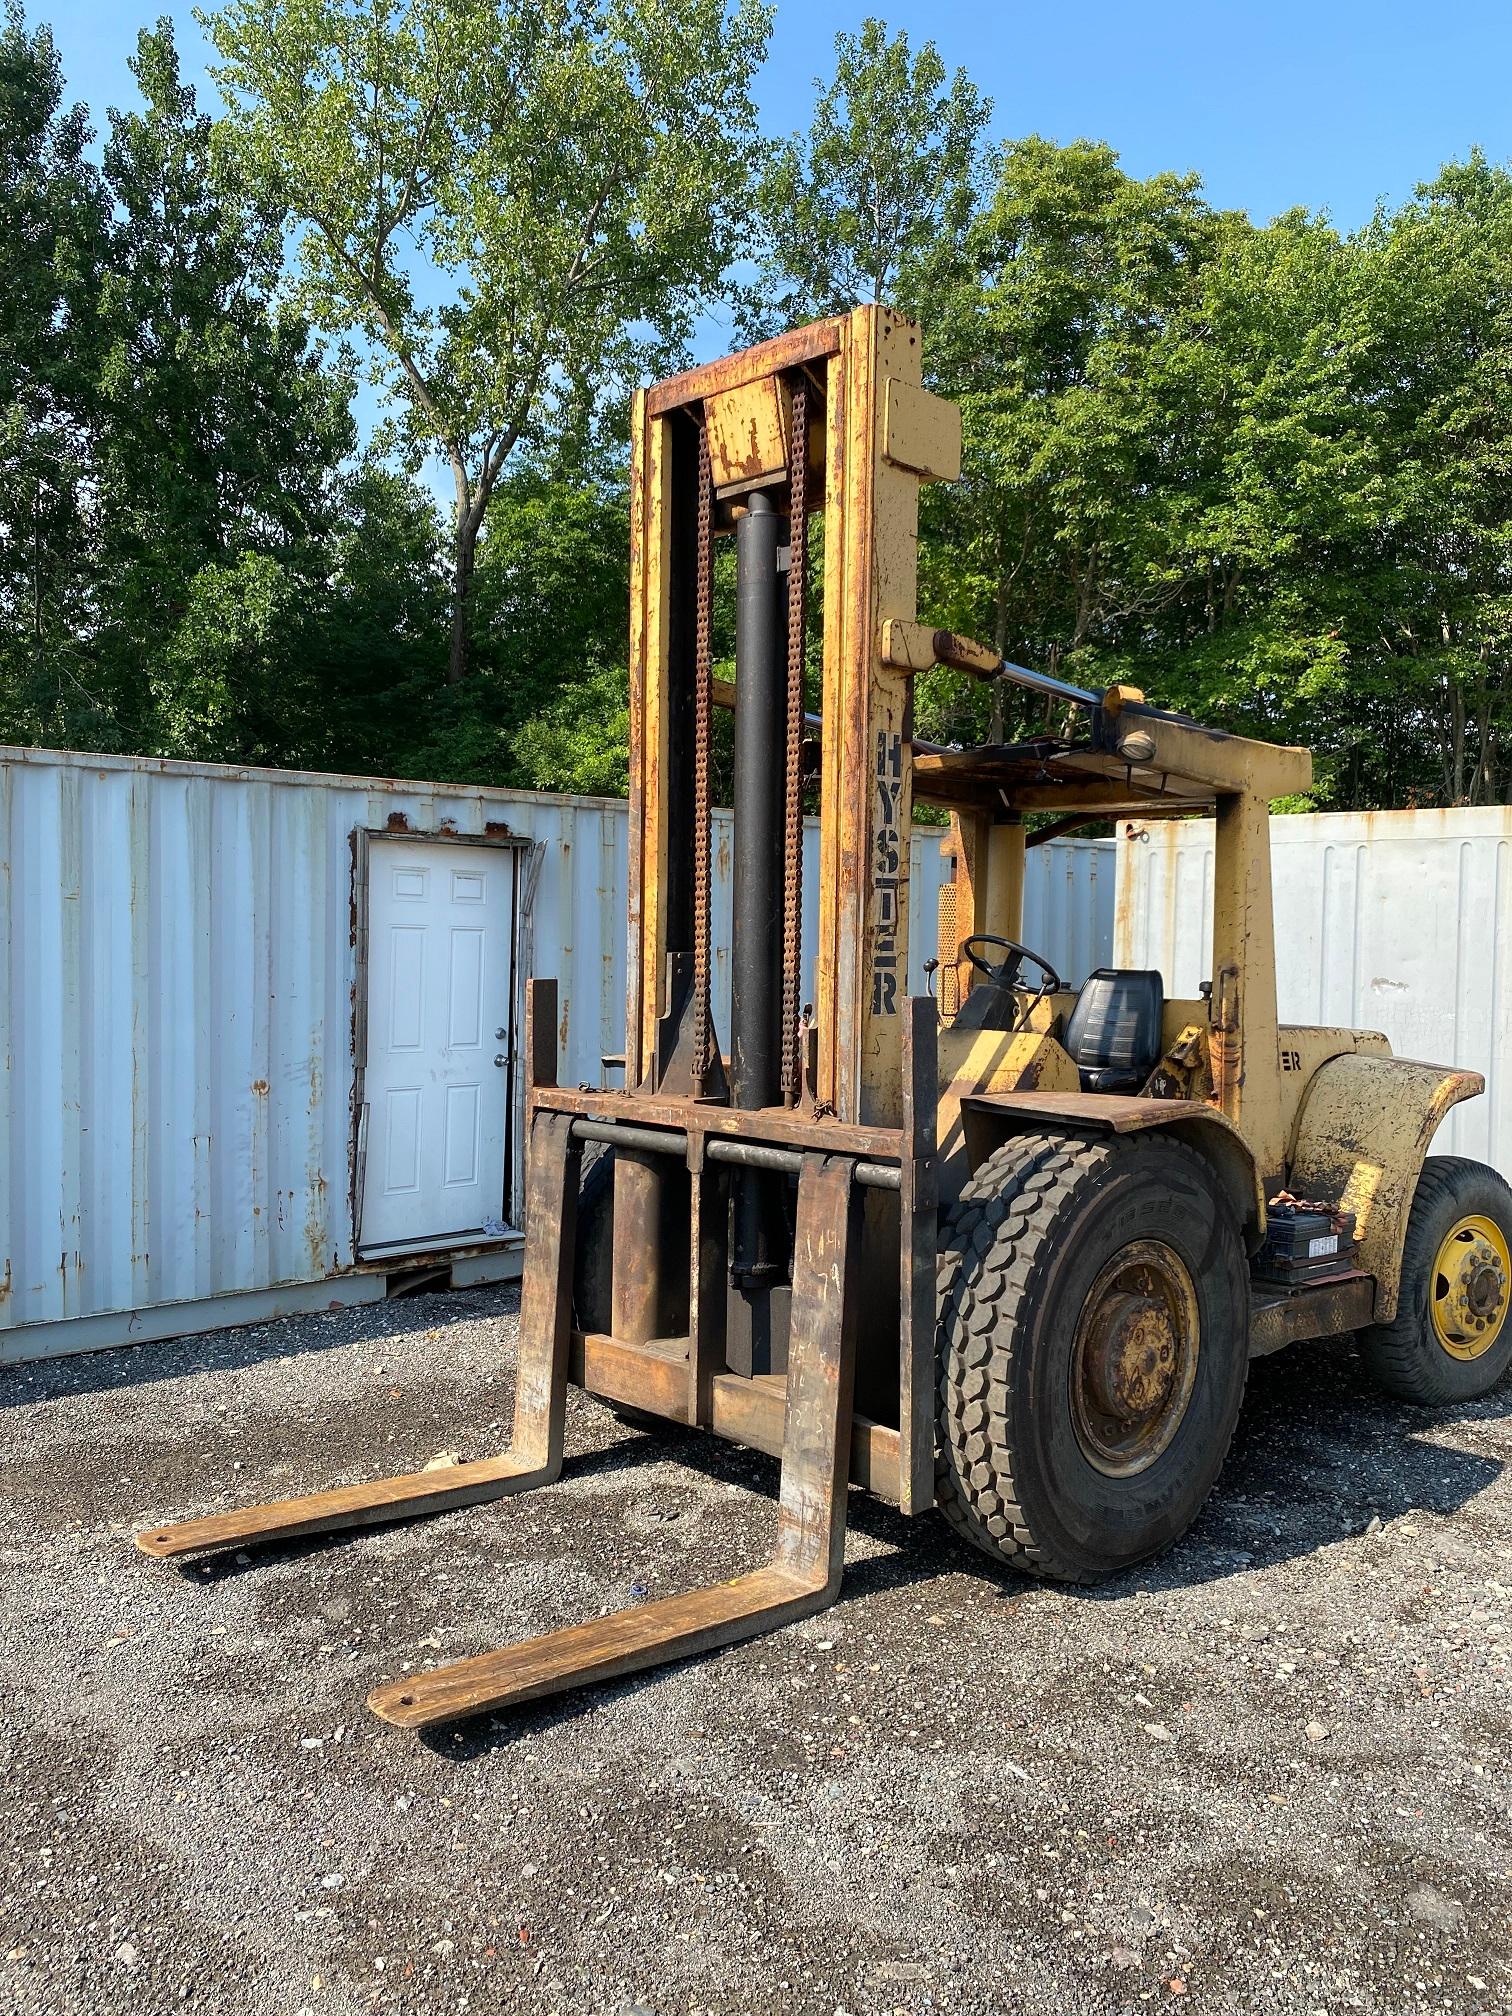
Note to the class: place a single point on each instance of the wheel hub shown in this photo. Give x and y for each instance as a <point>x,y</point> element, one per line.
<point>1130,1357</point>
<point>1469,1295</point>
<point>1135,1358</point>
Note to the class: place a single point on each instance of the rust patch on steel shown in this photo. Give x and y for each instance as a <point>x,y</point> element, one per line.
<point>354,904</point>
<point>808,345</point>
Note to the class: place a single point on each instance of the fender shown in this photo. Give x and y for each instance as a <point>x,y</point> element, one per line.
<point>1362,1133</point>
<point>991,1117</point>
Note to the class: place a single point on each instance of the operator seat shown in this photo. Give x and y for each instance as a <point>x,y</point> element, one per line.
<point>1113,1035</point>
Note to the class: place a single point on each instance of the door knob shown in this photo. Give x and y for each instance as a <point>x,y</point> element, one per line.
<point>501,1060</point>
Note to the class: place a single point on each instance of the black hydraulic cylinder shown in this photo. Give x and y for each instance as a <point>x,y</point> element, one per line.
<point>760,718</point>
<point>756,948</point>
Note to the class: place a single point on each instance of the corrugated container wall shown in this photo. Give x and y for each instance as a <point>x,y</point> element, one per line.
<point>1397,921</point>
<point>177,1011</point>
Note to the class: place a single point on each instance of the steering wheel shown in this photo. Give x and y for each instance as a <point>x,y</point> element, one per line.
<point>1006,972</point>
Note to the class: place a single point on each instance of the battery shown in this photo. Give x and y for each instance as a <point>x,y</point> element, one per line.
<point>1304,1240</point>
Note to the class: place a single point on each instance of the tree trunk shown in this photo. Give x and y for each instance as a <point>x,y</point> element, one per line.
<point>462,573</point>
<point>1456,743</point>
<point>997,724</point>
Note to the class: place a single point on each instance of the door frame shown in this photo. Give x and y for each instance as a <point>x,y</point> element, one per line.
<point>363,840</point>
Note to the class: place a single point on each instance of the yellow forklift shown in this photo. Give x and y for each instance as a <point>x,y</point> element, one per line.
<point>1007,1251</point>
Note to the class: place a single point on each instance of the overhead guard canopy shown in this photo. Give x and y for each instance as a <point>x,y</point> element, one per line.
<point>1136,759</point>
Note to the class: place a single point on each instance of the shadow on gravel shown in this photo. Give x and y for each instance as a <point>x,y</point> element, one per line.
<point>146,1364</point>
<point>205,1570</point>
<point>1320,1453</point>
<point>471,1740</point>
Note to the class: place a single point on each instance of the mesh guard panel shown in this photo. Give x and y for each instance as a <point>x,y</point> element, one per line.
<point>948,947</point>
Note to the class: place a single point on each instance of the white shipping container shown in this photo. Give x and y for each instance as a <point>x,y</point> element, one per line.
<point>1397,921</point>
<point>185,1135</point>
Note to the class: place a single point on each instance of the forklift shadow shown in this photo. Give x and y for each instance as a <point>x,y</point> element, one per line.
<point>1319,1453</point>
<point>204,1570</point>
<point>1321,1457</point>
<point>1315,1461</point>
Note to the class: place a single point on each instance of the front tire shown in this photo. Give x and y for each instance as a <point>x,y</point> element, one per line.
<point>1451,1338</point>
<point>1092,1350</point>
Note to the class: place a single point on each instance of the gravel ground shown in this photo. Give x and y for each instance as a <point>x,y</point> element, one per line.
<point>1267,1773</point>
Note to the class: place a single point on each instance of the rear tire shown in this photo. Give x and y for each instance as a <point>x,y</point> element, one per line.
<point>1092,1350</point>
<point>1451,1338</point>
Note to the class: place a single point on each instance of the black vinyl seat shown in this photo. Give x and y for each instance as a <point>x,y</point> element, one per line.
<point>1113,1035</point>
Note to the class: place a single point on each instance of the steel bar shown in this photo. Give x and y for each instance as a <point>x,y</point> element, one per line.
<point>773,1123</point>
<point>758,1155</point>
<point>748,1154</point>
<point>620,1134</point>
<point>918,1252</point>
<point>756,950</point>
<point>810,345</point>
<point>1042,682</point>
<point>982,662</point>
<point>804,1573</point>
<point>756,991</point>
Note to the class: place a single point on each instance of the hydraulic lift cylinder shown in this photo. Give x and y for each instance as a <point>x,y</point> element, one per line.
<point>756,950</point>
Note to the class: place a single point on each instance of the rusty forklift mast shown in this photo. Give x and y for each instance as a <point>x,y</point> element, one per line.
<point>839,1110</point>
<point>1008,1252</point>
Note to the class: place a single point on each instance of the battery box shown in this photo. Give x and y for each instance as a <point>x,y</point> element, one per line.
<point>1304,1240</point>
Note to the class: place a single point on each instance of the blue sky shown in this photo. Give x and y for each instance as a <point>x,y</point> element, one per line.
<point>1333,104</point>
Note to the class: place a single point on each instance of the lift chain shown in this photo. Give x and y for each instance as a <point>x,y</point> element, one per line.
<point>792,850</point>
<point>703,696</point>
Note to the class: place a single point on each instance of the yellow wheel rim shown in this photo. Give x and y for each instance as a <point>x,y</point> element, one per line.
<point>1468,1293</point>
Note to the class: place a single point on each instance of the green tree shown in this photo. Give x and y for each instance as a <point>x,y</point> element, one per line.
<point>1428,607</point>
<point>552,598</point>
<point>378,652</point>
<point>1057,337</point>
<point>52,225</point>
<point>514,205</point>
<point>218,438</point>
<point>886,174</point>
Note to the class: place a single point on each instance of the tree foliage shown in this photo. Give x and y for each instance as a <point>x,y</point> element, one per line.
<point>886,174</point>
<point>52,225</point>
<point>1262,471</point>
<point>1254,470</point>
<point>512,205</point>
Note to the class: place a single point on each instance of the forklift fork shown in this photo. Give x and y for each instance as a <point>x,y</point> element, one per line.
<point>534,1455</point>
<point>804,1573</point>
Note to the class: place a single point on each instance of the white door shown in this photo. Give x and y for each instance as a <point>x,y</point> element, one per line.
<point>440,982</point>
